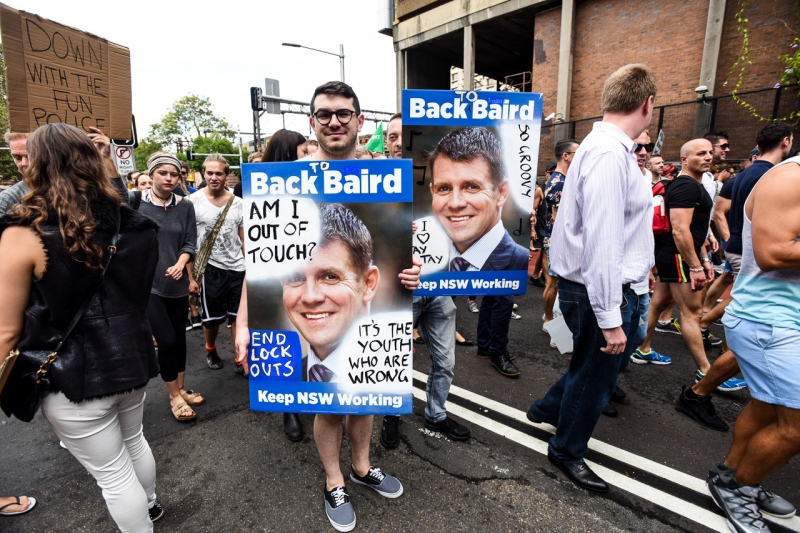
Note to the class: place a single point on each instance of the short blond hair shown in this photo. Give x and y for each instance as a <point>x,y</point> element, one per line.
<point>628,88</point>
<point>216,158</point>
<point>13,136</point>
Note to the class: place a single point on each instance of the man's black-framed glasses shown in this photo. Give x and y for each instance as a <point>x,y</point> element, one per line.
<point>724,146</point>
<point>324,116</point>
<point>648,147</point>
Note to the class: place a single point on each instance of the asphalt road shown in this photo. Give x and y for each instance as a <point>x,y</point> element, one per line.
<point>232,469</point>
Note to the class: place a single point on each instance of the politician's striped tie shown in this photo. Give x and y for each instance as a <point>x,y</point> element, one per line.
<point>459,264</point>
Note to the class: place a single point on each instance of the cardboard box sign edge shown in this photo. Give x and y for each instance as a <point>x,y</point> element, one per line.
<point>117,121</point>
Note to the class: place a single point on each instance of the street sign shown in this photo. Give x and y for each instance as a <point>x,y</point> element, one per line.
<point>124,159</point>
<point>659,143</point>
<point>272,88</point>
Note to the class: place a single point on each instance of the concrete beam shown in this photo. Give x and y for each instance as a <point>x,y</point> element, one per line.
<point>565,54</point>
<point>469,58</point>
<point>453,16</point>
<point>400,60</point>
<point>708,66</point>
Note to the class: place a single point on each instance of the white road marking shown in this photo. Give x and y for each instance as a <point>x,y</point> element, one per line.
<point>636,488</point>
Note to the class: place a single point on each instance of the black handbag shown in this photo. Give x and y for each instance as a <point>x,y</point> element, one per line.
<point>22,396</point>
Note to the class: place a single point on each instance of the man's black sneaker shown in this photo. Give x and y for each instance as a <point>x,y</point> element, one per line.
<point>197,322</point>
<point>710,340</point>
<point>384,484</point>
<point>673,327</point>
<point>339,510</point>
<point>449,428</point>
<point>188,324</point>
<point>239,369</point>
<point>156,512</point>
<point>700,409</point>
<point>213,360</point>
<point>390,435</point>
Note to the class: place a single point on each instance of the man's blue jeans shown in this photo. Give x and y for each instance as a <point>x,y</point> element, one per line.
<point>575,402</point>
<point>640,332</point>
<point>435,319</point>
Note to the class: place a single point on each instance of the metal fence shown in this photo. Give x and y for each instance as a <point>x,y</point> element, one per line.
<point>678,122</point>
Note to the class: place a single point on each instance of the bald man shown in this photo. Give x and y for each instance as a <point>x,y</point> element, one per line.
<point>682,260</point>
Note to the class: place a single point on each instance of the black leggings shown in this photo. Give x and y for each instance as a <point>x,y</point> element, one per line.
<point>167,318</point>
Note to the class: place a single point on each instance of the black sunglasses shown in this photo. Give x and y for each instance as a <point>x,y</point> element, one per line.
<point>724,146</point>
<point>648,147</point>
<point>324,116</point>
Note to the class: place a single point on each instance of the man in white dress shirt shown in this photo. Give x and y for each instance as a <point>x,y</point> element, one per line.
<point>602,243</point>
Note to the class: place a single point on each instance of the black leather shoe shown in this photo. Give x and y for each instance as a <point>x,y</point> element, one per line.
<point>483,354</point>
<point>618,395</point>
<point>449,428</point>
<point>502,362</point>
<point>292,427</point>
<point>580,474</point>
<point>610,410</point>
<point>465,342</point>
<point>390,435</point>
<point>532,418</point>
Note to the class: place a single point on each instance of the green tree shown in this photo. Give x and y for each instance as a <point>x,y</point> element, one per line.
<point>143,152</point>
<point>213,144</point>
<point>189,118</point>
<point>8,170</point>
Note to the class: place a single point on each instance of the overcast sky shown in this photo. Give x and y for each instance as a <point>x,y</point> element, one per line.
<point>219,49</point>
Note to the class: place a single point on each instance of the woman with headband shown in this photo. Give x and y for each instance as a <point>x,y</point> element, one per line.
<point>169,297</point>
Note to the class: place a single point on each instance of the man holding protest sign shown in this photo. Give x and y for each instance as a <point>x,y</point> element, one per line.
<point>328,295</point>
<point>469,189</point>
<point>435,317</point>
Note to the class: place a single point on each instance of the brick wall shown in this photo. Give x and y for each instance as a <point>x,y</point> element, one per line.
<point>667,35</point>
<point>769,38</point>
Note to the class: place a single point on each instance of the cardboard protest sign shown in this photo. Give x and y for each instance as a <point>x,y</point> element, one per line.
<point>474,157</point>
<point>59,74</point>
<point>330,322</point>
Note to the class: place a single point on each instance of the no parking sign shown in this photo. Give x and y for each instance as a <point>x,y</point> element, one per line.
<point>124,159</point>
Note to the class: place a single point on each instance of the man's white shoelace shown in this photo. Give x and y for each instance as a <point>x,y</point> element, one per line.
<point>339,496</point>
<point>376,473</point>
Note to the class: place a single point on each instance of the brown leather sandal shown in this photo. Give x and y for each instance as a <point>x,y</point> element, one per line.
<point>183,418</point>
<point>192,398</point>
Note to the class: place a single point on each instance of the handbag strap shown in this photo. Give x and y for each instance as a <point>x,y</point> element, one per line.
<point>112,251</point>
<point>204,253</point>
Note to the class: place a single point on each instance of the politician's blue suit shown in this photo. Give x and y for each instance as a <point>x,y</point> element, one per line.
<point>495,314</point>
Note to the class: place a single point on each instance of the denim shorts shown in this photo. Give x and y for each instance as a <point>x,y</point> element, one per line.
<point>769,359</point>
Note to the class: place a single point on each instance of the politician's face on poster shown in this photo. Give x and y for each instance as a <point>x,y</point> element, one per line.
<point>326,296</point>
<point>466,200</point>
<point>474,158</point>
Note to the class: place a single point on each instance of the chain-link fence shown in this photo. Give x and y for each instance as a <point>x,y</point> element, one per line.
<point>678,122</point>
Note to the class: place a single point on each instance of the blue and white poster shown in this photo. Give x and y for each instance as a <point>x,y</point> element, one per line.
<point>474,159</point>
<point>330,322</point>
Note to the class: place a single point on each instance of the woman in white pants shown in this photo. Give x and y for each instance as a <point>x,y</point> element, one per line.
<point>55,247</point>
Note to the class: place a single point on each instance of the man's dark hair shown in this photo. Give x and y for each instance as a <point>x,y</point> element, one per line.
<point>716,136</point>
<point>341,224</point>
<point>771,135</point>
<point>396,115</point>
<point>339,88</point>
<point>564,146</point>
<point>465,144</point>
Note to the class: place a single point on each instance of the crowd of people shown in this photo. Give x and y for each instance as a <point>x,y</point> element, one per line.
<point>622,243</point>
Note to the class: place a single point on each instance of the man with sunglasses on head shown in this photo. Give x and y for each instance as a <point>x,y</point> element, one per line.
<point>336,119</point>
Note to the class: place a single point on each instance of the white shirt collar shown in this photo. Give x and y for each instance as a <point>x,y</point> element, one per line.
<point>477,254</point>
<point>332,362</point>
